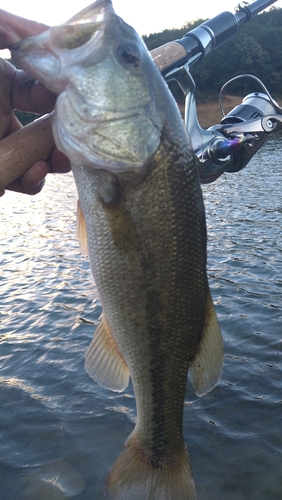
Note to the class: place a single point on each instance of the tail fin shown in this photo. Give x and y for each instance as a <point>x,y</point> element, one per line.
<point>133,477</point>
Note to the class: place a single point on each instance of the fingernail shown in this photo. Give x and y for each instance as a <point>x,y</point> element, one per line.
<point>34,188</point>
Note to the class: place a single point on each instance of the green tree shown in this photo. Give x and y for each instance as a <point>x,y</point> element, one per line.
<point>255,49</point>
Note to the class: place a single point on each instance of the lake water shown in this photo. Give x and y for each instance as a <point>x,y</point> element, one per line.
<point>59,431</point>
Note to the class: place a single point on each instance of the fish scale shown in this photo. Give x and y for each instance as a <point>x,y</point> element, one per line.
<point>162,303</point>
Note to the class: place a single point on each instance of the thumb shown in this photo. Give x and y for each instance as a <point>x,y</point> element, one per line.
<point>14,29</point>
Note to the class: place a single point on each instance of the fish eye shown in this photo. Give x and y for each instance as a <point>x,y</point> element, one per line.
<point>129,54</point>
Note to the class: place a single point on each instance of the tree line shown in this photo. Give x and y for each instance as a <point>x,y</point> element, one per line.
<point>256,49</point>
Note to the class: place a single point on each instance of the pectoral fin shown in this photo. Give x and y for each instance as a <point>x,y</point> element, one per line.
<point>103,361</point>
<point>81,231</point>
<point>206,367</point>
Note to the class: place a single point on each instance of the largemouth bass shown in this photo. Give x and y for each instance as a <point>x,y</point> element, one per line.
<point>141,200</point>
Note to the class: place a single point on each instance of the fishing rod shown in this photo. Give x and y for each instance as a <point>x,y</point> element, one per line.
<point>208,36</point>
<point>226,147</point>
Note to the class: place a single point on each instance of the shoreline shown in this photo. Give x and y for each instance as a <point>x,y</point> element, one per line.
<point>208,110</point>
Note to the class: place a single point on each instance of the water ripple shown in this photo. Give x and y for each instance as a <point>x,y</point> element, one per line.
<point>55,419</point>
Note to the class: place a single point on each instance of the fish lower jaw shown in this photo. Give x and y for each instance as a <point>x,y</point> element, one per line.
<point>92,157</point>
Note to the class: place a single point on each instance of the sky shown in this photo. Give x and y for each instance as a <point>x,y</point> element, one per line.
<point>146,16</point>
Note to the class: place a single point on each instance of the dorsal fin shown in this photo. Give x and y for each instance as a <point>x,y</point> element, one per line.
<point>103,361</point>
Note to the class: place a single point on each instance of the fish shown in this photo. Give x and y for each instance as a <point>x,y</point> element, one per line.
<point>141,221</point>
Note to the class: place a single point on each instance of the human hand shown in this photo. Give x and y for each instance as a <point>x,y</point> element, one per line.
<point>19,91</point>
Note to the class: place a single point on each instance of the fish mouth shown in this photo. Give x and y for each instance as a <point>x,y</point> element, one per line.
<point>93,127</point>
<point>41,55</point>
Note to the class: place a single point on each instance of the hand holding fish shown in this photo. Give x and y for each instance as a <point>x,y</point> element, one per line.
<point>19,91</point>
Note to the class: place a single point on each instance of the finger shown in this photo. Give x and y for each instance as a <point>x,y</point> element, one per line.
<point>59,162</point>
<point>22,92</point>
<point>22,149</point>
<point>13,126</point>
<point>7,72</point>
<point>30,95</point>
<point>14,29</point>
<point>32,181</point>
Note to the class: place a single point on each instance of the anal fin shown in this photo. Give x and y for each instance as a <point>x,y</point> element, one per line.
<point>103,361</point>
<point>206,366</point>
